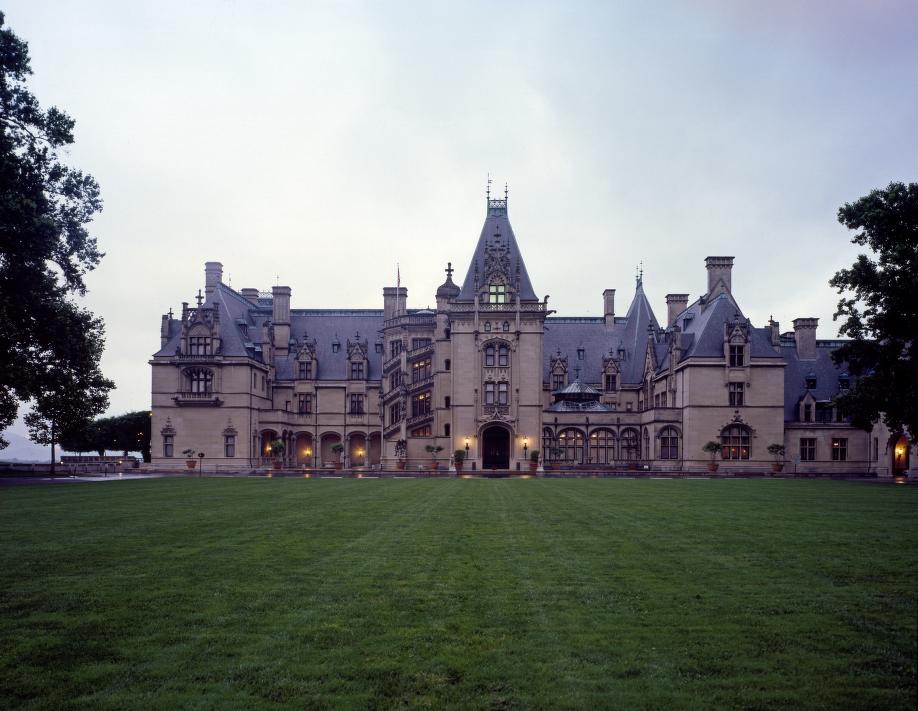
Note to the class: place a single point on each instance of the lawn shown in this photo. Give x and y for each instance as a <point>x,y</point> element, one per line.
<point>495,594</point>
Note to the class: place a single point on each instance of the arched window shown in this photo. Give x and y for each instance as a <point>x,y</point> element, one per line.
<point>506,326</point>
<point>735,442</point>
<point>489,357</point>
<point>200,380</point>
<point>629,446</point>
<point>503,356</point>
<point>602,446</point>
<point>548,444</point>
<point>570,442</point>
<point>669,443</point>
<point>647,453</point>
<point>487,327</point>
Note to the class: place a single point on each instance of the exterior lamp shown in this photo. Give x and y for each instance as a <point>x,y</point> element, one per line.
<point>466,447</point>
<point>525,447</point>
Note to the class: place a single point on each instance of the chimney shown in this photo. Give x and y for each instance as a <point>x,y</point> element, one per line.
<point>775,332</point>
<point>675,305</point>
<point>250,294</point>
<point>164,329</point>
<point>608,306</point>
<point>213,275</point>
<point>805,337</point>
<point>280,315</point>
<point>719,270</point>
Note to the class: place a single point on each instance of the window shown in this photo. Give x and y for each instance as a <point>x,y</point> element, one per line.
<point>395,379</point>
<point>824,412</point>
<point>199,345</point>
<point>419,342</point>
<point>503,356</point>
<point>487,327</point>
<point>602,446</point>
<point>737,356</point>
<point>807,449</point>
<point>610,381</point>
<point>446,402</point>
<point>669,443</point>
<point>263,385</point>
<point>663,399</point>
<point>356,370</point>
<point>506,327</point>
<point>630,448</point>
<point>424,431</point>
<point>810,381</point>
<point>304,370</point>
<point>628,406</point>
<point>446,430</point>
<point>497,294</point>
<point>420,405</point>
<point>489,357</point>
<point>570,442</point>
<point>489,393</point>
<point>580,353</point>
<point>168,445</point>
<point>378,346</point>
<point>421,370</point>
<point>735,442</point>
<point>395,347</point>
<point>229,445</point>
<point>503,393</point>
<point>548,444</point>
<point>446,364</point>
<point>876,449</point>
<point>807,412</point>
<point>839,449</point>
<point>336,346</point>
<point>356,405</point>
<point>304,404</point>
<point>557,381</point>
<point>200,381</point>
<point>395,413</point>
<point>656,400</point>
<point>736,394</point>
<point>254,380</point>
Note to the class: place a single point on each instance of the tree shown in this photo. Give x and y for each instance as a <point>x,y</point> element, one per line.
<point>879,308</point>
<point>45,251</point>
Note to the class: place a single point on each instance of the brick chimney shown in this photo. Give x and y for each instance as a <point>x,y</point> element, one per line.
<point>280,315</point>
<point>213,275</point>
<point>720,270</point>
<point>675,305</point>
<point>608,306</point>
<point>250,294</point>
<point>805,337</point>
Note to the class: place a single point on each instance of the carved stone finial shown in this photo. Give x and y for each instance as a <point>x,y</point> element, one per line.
<point>200,298</point>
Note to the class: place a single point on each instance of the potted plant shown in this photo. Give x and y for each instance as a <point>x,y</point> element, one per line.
<point>190,460</point>
<point>276,448</point>
<point>459,459</point>
<point>433,450</point>
<point>777,451</point>
<point>713,448</point>
<point>401,449</point>
<point>533,460</point>
<point>337,448</point>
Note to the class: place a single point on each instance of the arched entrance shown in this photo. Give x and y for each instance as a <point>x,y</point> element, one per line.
<point>495,443</point>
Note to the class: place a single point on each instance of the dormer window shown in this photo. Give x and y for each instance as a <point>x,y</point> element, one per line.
<point>336,347</point>
<point>379,346</point>
<point>737,356</point>
<point>610,381</point>
<point>810,381</point>
<point>304,370</point>
<point>356,370</point>
<point>199,345</point>
<point>497,294</point>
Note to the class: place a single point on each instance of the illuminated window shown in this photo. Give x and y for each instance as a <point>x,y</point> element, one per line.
<point>497,294</point>
<point>424,431</point>
<point>602,446</point>
<point>420,370</point>
<point>734,441</point>
<point>420,405</point>
<point>570,442</point>
<point>839,449</point>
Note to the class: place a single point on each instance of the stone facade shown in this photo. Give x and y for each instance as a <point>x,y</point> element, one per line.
<point>492,373</point>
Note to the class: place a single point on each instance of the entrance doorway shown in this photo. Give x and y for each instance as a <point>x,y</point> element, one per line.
<point>495,448</point>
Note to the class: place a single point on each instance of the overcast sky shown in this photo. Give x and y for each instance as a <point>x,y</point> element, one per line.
<point>321,143</point>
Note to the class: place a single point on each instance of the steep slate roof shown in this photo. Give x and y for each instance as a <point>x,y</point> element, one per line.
<point>826,372</point>
<point>705,324</point>
<point>597,340</point>
<point>497,222</point>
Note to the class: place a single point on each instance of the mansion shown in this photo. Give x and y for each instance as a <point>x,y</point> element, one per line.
<point>491,371</point>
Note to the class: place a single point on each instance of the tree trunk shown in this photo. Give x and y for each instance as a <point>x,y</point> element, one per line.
<point>53,457</point>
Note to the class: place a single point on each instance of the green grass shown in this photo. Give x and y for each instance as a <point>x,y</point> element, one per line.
<point>242,593</point>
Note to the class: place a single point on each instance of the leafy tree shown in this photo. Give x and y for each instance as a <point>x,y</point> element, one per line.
<point>879,308</point>
<point>45,251</point>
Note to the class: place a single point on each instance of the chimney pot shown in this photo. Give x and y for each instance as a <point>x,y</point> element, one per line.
<point>720,269</point>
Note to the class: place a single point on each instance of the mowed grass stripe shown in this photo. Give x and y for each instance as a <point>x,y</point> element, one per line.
<point>458,594</point>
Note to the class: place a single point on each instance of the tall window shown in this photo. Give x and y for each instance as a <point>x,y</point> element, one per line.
<point>503,356</point>
<point>395,379</point>
<point>446,402</point>
<point>839,449</point>
<point>489,357</point>
<point>356,405</point>
<point>736,394</point>
<point>570,442</point>
<point>421,370</point>
<point>425,431</point>
<point>419,342</point>
<point>735,442</point>
<point>807,449</point>
<point>304,404</point>
<point>200,380</point>
<point>602,446</point>
<point>503,393</point>
<point>548,444</point>
<point>629,445</point>
<point>489,393</point>
<point>807,412</point>
<point>497,294</point>
<point>557,381</point>
<point>395,413</point>
<point>420,404</point>
<point>229,445</point>
<point>395,347</point>
<point>168,445</point>
<point>356,370</point>
<point>506,327</point>
<point>304,369</point>
<point>737,356</point>
<point>610,381</point>
<point>446,364</point>
<point>669,443</point>
<point>199,345</point>
<point>446,430</point>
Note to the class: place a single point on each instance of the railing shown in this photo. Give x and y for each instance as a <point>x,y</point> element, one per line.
<point>499,409</point>
<point>505,307</point>
<point>421,350</point>
<point>392,429</point>
<point>189,398</point>
<point>420,418</point>
<point>197,356</point>
<point>393,394</point>
<point>421,384</point>
<point>392,362</point>
<point>410,320</point>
